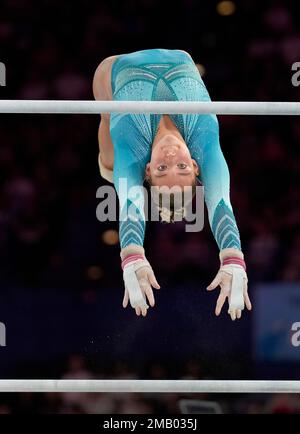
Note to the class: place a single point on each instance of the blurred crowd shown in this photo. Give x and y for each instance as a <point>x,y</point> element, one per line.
<point>49,235</point>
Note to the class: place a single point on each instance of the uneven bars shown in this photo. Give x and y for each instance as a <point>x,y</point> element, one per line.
<point>154,107</point>
<point>151,386</point>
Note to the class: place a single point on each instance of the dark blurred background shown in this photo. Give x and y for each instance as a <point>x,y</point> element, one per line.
<point>60,280</point>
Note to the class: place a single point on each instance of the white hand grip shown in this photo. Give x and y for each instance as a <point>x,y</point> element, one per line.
<point>236,299</point>
<point>136,296</point>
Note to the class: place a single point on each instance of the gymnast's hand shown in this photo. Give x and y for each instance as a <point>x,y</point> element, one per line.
<point>232,279</point>
<point>138,279</point>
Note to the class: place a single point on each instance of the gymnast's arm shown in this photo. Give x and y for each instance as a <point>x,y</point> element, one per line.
<point>231,277</point>
<point>138,275</point>
<point>127,176</point>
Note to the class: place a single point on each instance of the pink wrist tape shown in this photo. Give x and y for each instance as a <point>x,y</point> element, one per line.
<point>131,258</point>
<point>234,260</point>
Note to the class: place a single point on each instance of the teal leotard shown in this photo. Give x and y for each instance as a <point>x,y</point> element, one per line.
<point>166,75</point>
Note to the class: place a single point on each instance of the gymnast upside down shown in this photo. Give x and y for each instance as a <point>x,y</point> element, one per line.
<point>166,150</point>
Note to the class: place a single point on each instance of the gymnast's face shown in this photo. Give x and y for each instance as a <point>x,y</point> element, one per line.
<point>171,163</point>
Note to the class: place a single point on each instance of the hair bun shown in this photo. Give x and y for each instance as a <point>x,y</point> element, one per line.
<point>169,216</point>
<point>166,215</point>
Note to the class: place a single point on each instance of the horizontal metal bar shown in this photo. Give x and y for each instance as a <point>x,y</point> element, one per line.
<point>151,386</point>
<point>155,107</point>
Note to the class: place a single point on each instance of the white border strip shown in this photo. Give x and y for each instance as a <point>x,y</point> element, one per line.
<point>151,386</point>
<point>155,107</point>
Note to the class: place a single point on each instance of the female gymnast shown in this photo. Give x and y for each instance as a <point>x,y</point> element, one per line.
<point>169,150</point>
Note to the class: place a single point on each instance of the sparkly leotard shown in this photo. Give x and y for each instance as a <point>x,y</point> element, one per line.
<point>166,75</point>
